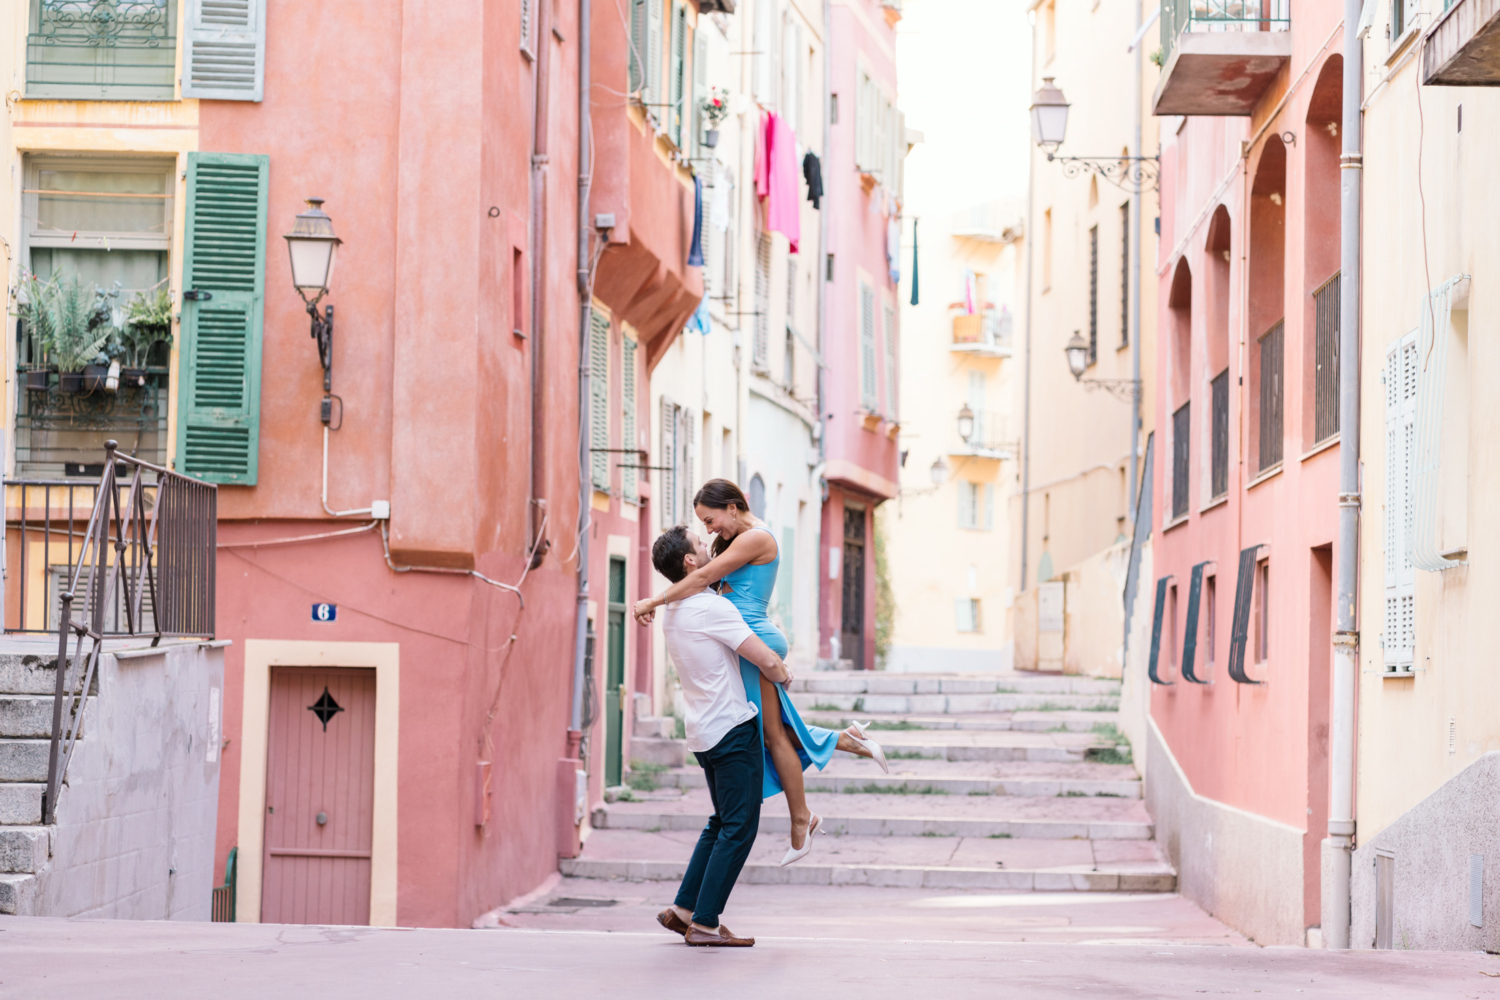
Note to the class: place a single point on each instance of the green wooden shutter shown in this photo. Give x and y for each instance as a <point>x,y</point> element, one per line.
<point>599,400</point>
<point>628,438</point>
<point>218,409</point>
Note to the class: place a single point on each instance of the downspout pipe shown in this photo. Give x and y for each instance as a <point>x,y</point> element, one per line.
<point>1135,286</point>
<point>1338,847</point>
<point>1026,381</point>
<point>540,118</point>
<point>585,309</point>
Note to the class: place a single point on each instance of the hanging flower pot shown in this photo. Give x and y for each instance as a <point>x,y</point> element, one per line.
<point>710,138</point>
<point>38,379</point>
<point>70,381</point>
<point>132,378</point>
<point>94,376</point>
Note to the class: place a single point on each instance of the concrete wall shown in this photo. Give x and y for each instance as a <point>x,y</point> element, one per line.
<point>1244,869</point>
<point>1430,846</point>
<point>135,822</point>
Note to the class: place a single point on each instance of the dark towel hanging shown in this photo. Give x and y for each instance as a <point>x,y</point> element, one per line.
<point>695,250</point>
<point>914,260</point>
<point>812,172</point>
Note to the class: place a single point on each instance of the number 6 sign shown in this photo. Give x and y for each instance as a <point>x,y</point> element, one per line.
<point>325,612</point>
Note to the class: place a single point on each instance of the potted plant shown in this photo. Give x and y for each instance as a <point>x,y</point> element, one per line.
<point>72,331</point>
<point>103,331</point>
<point>715,108</point>
<point>34,306</point>
<point>148,322</point>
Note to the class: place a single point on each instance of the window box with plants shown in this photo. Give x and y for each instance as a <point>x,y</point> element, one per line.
<point>93,367</point>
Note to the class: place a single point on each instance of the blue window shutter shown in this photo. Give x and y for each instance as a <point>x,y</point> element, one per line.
<point>224,52</point>
<point>218,411</point>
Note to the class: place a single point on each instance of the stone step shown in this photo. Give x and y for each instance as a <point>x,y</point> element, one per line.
<point>989,746</point>
<point>27,673</point>
<point>658,751</point>
<point>877,682</point>
<point>909,815</point>
<point>919,783</point>
<point>899,876</point>
<point>29,716</point>
<point>919,862</point>
<point>24,760</point>
<point>810,702</point>
<point>1035,722</point>
<point>24,849</point>
<point>18,895</point>
<point>21,802</point>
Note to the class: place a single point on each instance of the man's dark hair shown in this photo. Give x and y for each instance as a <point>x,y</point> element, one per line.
<point>668,552</point>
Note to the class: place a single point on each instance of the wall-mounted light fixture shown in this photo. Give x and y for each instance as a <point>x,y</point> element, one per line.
<point>312,247</point>
<point>1049,127</point>
<point>1077,350</point>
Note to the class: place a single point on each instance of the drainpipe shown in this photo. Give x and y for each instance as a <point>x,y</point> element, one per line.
<point>1026,392</point>
<point>585,487</point>
<point>821,470</point>
<point>540,117</point>
<point>1135,287</point>
<point>1337,849</point>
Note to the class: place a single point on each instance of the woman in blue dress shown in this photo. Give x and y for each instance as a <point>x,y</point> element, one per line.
<point>744,564</point>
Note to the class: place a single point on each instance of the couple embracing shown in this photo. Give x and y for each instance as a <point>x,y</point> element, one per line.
<point>741,726</point>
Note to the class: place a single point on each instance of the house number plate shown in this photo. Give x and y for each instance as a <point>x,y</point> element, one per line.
<point>325,612</point>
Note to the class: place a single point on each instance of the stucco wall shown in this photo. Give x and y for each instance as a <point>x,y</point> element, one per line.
<point>1244,869</point>
<point>135,822</point>
<point>1430,846</point>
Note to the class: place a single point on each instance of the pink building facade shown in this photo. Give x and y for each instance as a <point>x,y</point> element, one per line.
<point>861,412</point>
<point>1246,468</point>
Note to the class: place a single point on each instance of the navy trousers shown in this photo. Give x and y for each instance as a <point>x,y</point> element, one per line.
<point>734,771</point>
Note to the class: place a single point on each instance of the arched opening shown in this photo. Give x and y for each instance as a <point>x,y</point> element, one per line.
<point>1320,302</point>
<point>1180,309</point>
<point>1218,258</point>
<point>1267,307</point>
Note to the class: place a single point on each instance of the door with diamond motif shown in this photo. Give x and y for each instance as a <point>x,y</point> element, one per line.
<point>320,784</point>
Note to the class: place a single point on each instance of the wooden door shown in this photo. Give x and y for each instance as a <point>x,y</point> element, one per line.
<point>320,786</point>
<point>614,683</point>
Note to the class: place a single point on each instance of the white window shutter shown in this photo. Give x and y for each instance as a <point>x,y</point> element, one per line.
<point>963,613</point>
<point>989,506</point>
<point>689,439</point>
<point>224,55</point>
<point>667,458</point>
<point>1400,574</point>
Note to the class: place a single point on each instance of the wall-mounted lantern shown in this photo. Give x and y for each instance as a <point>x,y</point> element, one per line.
<point>313,247</point>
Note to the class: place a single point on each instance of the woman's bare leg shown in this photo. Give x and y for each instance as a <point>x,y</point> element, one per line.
<point>788,764</point>
<point>847,744</point>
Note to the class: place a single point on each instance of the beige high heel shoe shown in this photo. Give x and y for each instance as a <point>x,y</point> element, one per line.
<point>792,854</point>
<point>877,754</point>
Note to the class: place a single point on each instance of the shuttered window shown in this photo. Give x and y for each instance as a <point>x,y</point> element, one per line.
<point>1219,445</point>
<point>891,366</point>
<point>1271,397</point>
<point>867,384</point>
<point>700,89</point>
<point>687,446</point>
<point>651,92</point>
<point>225,55</point>
<point>629,475</point>
<point>218,416</point>
<point>667,456</point>
<point>528,16</point>
<point>599,400</point>
<point>762,346</point>
<point>1125,274</point>
<point>1182,429</point>
<point>1400,377</point>
<point>677,78</point>
<point>1326,358</point>
<point>637,46</point>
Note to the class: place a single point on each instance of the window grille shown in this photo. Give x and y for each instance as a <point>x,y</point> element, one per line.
<point>103,50</point>
<point>1271,397</point>
<point>1125,274</point>
<point>1219,454</point>
<point>1181,434</point>
<point>1093,294</point>
<point>1400,377</point>
<point>678,80</point>
<point>1326,360</point>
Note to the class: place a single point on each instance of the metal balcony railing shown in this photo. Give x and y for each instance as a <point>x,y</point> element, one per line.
<point>1179,16</point>
<point>143,566</point>
<point>123,50</point>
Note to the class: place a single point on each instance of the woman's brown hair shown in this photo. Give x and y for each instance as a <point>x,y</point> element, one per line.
<point>721,494</point>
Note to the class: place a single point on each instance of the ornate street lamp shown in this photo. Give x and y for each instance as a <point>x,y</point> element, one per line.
<point>939,472</point>
<point>313,247</point>
<point>966,423</point>
<point>1078,355</point>
<point>1077,350</point>
<point>1049,126</point>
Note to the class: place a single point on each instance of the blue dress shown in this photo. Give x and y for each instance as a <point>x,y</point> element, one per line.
<point>750,592</point>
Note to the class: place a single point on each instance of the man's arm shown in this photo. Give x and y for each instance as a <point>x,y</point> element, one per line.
<point>758,653</point>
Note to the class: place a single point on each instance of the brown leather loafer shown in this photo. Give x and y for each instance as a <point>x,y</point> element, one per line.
<point>669,919</point>
<point>724,939</point>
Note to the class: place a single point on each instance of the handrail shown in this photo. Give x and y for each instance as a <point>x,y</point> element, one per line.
<point>133,550</point>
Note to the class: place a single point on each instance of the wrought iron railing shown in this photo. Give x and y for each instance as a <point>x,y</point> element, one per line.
<point>1178,16</point>
<point>142,567</point>
<point>102,49</point>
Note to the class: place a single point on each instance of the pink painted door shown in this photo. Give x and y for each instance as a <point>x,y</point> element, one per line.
<point>320,786</point>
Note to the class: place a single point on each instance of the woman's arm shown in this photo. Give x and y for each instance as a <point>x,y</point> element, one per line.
<point>746,547</point>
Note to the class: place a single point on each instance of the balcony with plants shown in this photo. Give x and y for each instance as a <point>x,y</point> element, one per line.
<point>92,366</point>
<point>1218,57</point>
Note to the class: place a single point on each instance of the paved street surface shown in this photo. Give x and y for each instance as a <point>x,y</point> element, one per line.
<point>853,941</point>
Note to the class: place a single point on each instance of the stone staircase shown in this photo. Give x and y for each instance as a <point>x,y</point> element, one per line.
<point>999,781</point>
<point>27,685</point>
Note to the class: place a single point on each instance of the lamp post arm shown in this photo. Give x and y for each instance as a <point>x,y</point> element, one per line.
<point>1129,173</point>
